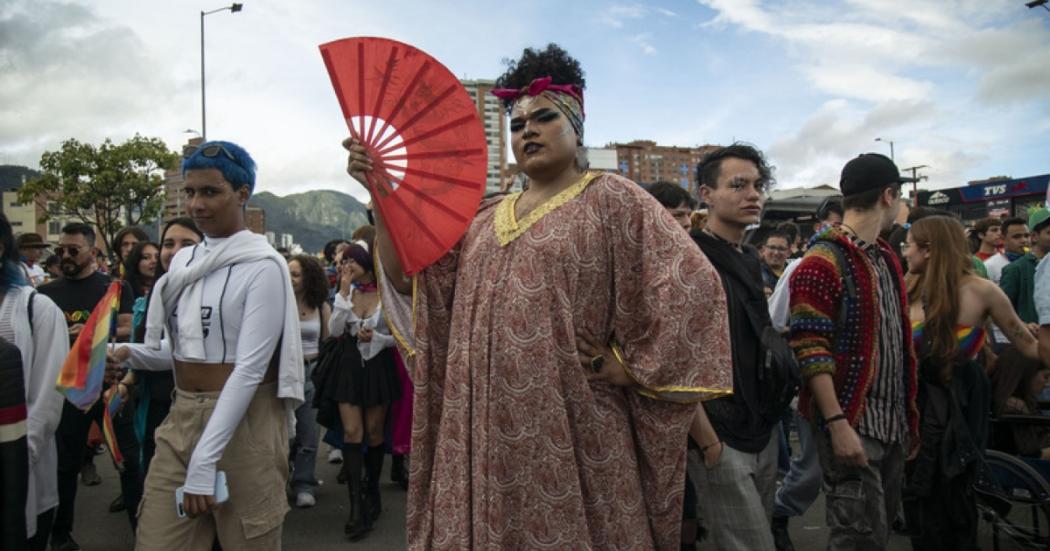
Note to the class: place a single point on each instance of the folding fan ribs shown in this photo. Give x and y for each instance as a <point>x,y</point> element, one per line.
<point>424,136</point>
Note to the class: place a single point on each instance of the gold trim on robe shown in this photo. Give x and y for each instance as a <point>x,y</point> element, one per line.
<point>508,228</point>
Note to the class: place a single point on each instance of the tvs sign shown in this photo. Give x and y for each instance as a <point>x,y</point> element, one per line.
<point>938,198</point>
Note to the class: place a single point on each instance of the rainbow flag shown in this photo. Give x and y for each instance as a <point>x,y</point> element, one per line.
<point>107,428</point>
<point>82,373</point>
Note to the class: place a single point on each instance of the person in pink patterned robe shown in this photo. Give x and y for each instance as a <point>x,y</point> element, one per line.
<point>559,354</point>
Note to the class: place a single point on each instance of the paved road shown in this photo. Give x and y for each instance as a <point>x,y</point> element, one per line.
<point>317,529</point>
<point>321,528</point>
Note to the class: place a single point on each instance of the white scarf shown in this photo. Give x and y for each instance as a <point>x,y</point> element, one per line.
<point>183,287</point>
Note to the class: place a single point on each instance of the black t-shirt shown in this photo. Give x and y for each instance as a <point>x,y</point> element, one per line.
<point>736,418</point>
<point>78,297</point>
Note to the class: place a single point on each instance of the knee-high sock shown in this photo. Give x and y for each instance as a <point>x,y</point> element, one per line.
<point>374,465</point>
<point>352,463</point>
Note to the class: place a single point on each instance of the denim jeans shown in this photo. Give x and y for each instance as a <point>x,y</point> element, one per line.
<point>303,448</point>
<point>803,480</point>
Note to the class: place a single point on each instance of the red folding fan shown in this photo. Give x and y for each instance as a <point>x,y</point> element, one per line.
<point>424,136</point>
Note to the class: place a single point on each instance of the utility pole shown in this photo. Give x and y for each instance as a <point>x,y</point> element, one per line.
<point>915,179</point>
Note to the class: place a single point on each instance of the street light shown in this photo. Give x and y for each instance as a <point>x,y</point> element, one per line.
<point>891,147</point>
<point>234,8</point>
<point>1037,4</point>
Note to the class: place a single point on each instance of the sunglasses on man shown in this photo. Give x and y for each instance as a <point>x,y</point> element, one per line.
<point>72,250</point>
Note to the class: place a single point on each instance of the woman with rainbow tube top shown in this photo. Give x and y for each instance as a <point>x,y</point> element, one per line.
<point>950,307</point>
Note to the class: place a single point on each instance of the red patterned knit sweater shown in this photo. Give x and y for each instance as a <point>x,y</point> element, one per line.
<point>845,348</point>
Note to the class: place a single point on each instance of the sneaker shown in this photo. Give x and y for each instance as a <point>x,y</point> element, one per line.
<point>305,500</point>
<point>89,475</point>
<point>335,456</point>
<point>66,543</point>
<point>781,538</point>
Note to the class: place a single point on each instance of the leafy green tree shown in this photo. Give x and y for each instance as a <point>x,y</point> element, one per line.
<point>109,186</point>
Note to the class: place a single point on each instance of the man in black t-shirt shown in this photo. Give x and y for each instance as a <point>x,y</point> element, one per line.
<point>76,293</point>
<point>740,459</point>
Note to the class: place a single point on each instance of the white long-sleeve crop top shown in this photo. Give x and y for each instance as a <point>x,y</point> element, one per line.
<point>242,312</point>
<point>343,318</point>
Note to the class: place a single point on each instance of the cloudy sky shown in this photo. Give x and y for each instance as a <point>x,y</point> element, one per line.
<point>960,85</point>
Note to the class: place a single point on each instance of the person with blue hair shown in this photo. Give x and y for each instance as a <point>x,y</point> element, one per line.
<point>235,347</point>
<point>33,326</point>
<point>231,160</point>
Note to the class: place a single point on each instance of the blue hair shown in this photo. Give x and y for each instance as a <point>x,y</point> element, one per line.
<point>10,267</point>
<point>239,171</point>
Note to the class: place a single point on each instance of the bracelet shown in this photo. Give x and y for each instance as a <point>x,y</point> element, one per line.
<point>618,354</point>
<point>833,418</point>
<point>704,449</point>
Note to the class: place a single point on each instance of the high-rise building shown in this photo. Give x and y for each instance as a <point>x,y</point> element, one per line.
<point>646,162</point>
<point>491,112</point>
<point>174,200</point>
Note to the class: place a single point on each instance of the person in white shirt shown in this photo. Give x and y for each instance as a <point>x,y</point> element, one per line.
<point>1016,240</point>
<point>31,248</point>
<point>229,314</point>
<point>33,323</point>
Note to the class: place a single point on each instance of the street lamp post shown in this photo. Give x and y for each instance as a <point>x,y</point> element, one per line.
<point>234,8</point>
<point>1037,4</point>
<point>891,147</point>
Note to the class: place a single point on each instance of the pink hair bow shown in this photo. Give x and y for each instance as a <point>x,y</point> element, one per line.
<point>537,87</point>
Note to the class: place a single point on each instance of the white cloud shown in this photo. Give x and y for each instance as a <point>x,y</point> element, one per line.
<point>615,16</point>
<point>644,41</point>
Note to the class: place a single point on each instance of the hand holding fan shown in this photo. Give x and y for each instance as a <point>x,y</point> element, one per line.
<point>423,134</point>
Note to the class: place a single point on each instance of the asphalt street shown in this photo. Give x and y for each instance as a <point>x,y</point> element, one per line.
<point>321,528</point>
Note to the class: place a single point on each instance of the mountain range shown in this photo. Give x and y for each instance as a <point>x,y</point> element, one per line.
<point>312,217</point>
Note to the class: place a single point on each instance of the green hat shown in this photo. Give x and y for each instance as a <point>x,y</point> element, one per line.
<point>1038,217</point>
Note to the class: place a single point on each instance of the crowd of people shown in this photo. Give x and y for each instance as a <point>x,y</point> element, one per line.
<point>595,365</point>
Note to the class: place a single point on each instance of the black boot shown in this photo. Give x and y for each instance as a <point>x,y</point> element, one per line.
<point>399,470</point>
<point>374,467</point>
<point>355,527</point>
<point>781,538</point>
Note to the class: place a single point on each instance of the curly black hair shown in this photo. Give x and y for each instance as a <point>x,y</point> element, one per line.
<point>552,62</point>
<point>315,282</point>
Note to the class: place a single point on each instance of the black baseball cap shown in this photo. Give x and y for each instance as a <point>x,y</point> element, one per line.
<point>867,172</point>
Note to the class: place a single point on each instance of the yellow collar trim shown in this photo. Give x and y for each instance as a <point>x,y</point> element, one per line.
<point>508,228</point>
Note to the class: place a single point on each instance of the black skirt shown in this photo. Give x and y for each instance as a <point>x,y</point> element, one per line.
<point>360,382</point>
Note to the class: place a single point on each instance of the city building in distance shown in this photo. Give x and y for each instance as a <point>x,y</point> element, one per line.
<point>645,162</point>
<point>491,112</point>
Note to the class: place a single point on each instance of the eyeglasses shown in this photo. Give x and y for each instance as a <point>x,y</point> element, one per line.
<point>777,248</point>
<point>210,151</point>
<point>71,250</point>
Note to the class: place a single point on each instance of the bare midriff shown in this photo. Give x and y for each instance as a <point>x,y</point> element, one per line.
<point>202,377</point>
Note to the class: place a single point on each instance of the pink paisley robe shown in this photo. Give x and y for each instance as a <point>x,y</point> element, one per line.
<point>512,447</point>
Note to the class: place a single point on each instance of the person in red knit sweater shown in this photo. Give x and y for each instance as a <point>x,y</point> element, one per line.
<point>851,335</point>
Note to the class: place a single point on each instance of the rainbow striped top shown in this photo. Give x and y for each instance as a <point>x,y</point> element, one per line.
<point>970,337</point>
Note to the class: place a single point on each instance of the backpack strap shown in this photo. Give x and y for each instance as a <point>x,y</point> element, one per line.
<point>29,311</point>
